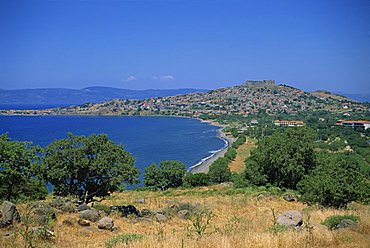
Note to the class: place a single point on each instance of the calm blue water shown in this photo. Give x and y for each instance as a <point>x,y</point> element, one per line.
<point>148,139</point>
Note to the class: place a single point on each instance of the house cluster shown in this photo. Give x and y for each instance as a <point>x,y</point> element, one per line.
<point>289,123</point>
<point>355,124</point>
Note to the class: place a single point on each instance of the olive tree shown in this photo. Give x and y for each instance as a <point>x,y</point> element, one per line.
<point>87,167</point>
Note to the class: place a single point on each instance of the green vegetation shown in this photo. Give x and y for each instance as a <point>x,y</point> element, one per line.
<point>124,239</point>
<point>18,180</point>
<point>87,167</point>
<point>169,174</point>
<point>332,221</point>
<point>219,171</point>
<point>281,159</point>
<point>336,181</point>
<point>196,180</point>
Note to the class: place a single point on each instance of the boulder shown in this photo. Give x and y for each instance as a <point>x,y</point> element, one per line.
<point>145,212</point>
<point>64,204</point>
<point>291,218</point>
<point>43,213</point>
<point>125,210</point>
<point>183,214</point>
<point>290,198</point>
<point>141,201</point>
<point>90,214</point>
<point>9,214</point>
<point>82,207</point>
<point>346,223</point>
<point>83,222</point>
<point>106,223</point>
<point>160,217</point>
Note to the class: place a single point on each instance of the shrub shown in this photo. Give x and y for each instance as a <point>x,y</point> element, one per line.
<point>124,239</point>
<point>230,154</point>
<point>337,180</point>
<point>168,174</point>
<point>102,207</point>
<point>240,141</point>
<point>219,171</point>
<point>332,221</point>
<point>282,159</point>
<point>196,180</point>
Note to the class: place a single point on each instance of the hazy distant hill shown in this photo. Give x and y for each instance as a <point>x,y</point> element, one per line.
<point>357,97</point>
<point>80,96</point>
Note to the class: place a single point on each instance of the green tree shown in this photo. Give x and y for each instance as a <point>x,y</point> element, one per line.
<point>196,179</point>
<point>169,174</point>
<point>87,167</point>
<point>282,159</point>
<point>17,177</point>
<point>337,180</point>
<point>219,171</point>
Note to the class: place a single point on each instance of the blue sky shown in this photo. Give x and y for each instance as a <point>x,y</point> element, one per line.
<point>323,44</point>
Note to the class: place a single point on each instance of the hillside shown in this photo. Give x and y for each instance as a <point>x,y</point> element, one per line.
<point>80,96</point>
<point>252,97</point>
<point>239,218</point>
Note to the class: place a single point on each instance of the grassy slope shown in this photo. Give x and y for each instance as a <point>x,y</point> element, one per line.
<point>243,152</point>
<point>240,220</point>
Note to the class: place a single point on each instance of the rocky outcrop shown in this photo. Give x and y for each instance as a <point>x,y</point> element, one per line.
<point>106,223</point>
<point>291,218</point>
<point>90,214</point>
<point>125,210</point>
<point>8,214</point>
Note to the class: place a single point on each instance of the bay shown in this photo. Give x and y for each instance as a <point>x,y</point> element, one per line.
<point>148,139</point>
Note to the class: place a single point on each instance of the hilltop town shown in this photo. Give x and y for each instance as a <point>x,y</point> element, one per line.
<point>249,98</point>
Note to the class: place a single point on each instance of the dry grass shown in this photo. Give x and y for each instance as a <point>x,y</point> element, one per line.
<point>239,221</point>
<point>243,152</point>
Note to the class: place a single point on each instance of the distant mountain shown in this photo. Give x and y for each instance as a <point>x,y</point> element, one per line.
<point>357,97</point>
<point>63,96</point>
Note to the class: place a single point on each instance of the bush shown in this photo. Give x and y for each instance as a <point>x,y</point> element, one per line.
<point>87,167</point>
<point>219,171</point>
<point>196,180</point>
<point>282,159</point>
<point>332,221</point>
<point>240,141</point>
<point>102,207</point>
<point>124,239</point>
<point>230,154</point>
<point>337,180</point>
<point>18,181</point>
<point>168,174</point>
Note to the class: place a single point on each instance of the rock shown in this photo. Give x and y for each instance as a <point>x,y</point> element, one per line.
<point>146,220</point>
<point>43,213</point>
<point>105,223</point>
<point>141,201</point>
<point>160,217</point>
<point>125,210</point>
<point>90,214</point>
<point>290,218</point>
<point>83,222</point>
<point>290,198</point>
<point>183,214</point>
<point>9,214</point>
<point>346,223</point>
<point>64,204</point>
<point>69,222</point>
<point>82,207</point>
<point>145,212</point>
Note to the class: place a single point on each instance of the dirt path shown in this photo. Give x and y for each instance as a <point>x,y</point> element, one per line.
<point>244,151</point>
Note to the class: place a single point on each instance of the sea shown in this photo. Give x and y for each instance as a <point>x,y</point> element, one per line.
<point>148,139</point>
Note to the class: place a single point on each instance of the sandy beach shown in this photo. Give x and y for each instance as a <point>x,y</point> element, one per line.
<point>204,166</point>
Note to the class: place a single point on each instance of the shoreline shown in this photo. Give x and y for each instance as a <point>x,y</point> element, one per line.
<point>205,163</point>
<point>202,166</point>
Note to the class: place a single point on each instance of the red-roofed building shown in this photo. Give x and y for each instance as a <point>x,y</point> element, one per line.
<point>286,123</point>
<point>363,124</point>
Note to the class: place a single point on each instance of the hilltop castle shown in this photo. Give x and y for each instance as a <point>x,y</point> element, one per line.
<point>260,83</point>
